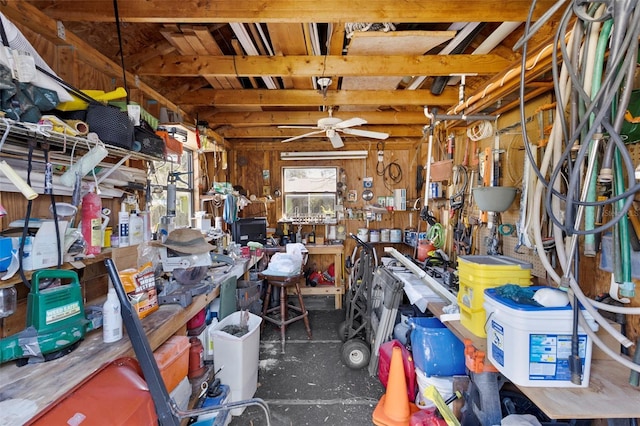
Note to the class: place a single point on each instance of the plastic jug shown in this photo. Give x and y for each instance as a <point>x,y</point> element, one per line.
<point>111,318</point>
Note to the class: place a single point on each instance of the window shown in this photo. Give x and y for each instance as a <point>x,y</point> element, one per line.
<point>184,189</point>
<point>309,192</point>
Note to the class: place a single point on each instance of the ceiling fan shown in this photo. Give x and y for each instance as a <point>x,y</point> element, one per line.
<point>331,126</point>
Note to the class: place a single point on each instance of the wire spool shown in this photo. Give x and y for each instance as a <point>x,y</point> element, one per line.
<point>481,130</point>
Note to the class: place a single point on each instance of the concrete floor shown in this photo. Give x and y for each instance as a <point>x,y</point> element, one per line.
<point>309,384</point>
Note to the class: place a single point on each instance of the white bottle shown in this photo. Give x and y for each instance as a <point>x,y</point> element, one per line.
<point>123,227</point>
<point>136,229</point>
<point>111,318</point>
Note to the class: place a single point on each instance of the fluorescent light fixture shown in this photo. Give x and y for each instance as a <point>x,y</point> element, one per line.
<point>324,155</point>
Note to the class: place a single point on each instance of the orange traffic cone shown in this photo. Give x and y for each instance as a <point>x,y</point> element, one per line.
<point>394,408</point>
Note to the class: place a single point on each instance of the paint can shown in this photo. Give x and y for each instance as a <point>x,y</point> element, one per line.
<point>395,235</point>
<point>363,234</point>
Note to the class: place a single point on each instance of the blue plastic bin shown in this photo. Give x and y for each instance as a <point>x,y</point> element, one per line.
<point>436,350</point>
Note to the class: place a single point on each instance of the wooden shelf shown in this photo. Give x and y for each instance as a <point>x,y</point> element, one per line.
<point>78,264</point>
<point>20,135</point>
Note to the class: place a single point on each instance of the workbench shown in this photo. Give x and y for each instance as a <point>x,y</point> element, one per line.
<point>338,288</point>
<point>608,396</point>
<point>45,383</point>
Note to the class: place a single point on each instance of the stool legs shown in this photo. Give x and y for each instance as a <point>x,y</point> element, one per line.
<point>305,318</point>
<point>283,309</point>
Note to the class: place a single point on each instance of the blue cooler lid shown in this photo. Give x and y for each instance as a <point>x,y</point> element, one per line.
<point>492,293</point>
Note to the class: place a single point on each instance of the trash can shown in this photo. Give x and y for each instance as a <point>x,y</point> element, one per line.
<point>237,357</point>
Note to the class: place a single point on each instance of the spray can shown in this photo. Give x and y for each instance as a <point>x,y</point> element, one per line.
<point>123,227</point>
<point>111,318</point>
<point>92,222</point>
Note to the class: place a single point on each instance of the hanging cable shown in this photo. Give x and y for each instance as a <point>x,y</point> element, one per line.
<point>391,171</point>
<point>595,118</point>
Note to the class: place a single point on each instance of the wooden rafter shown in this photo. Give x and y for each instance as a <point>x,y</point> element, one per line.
<point>304,65</point>
<point>196,11</point>
<point>265,97</point>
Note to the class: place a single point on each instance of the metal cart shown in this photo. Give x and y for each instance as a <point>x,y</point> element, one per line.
<point>371,307</point>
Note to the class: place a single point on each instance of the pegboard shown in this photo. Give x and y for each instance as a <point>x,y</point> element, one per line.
<point>509,243</point>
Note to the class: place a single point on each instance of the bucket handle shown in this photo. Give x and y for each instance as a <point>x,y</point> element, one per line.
<point>487,322</point>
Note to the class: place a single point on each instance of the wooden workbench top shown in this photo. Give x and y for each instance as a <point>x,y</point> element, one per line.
<point>43,384</point>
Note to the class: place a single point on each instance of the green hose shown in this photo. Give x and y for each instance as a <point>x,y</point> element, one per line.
<point>590,212</point>
<point>627,287</point>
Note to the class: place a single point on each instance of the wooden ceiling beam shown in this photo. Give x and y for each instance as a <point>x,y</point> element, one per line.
<point>216,11</point>
<point>309,65</point>
<point>247,119</point>
<point>266,97</point>
<point>274,132</point>
<point>257,146</point>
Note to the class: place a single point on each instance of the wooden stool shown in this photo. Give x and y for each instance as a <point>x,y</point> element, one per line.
<point>283,319</point>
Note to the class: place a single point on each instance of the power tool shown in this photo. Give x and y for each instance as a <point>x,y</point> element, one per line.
<point>56,321</point>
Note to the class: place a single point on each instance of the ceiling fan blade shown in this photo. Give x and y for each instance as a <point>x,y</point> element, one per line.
<point>366,133</point>
<point>335,139</point>
<point>355,121</point>
<point>299,127</point>
<point>303,136</point>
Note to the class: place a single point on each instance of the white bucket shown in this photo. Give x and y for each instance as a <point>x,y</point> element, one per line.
<point>374,236</point>
<point>444,385</point>
<point>530,345</point>
<point>385,235</point>
<point>395,236</point>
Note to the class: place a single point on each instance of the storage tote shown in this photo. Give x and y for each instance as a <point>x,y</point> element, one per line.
<point>531,345</point>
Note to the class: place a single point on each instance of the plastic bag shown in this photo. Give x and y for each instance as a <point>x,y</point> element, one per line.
<point>24,101</point>
<point>283,264</point>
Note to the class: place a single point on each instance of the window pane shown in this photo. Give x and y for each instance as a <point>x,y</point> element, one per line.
<point>184,191</point>
<point>316,179</point>
<point>309,205</point>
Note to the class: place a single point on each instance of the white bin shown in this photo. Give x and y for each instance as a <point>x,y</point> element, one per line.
<point>238,358</point>
<point>531,345</point>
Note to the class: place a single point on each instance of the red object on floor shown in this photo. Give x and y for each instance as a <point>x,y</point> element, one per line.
<point>117,384</point>
<point>384,364</point>
<point>394,408</point>
<point>427,417</point>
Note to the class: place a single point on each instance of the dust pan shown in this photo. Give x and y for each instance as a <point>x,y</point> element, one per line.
<point>394,408</point>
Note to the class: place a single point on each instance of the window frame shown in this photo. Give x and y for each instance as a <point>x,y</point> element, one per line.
<point>313,198</point>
